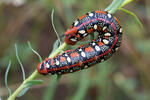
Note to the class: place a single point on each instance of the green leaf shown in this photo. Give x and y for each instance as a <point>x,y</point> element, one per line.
<point>133,15</point>
<point>40,58</point>
<point>23,91</point>
<point>83,86</point>
<point>33,82</point>
<point>51,88</point>
<point>22,68</point>
<point>28,85</point>
<point>52,20</point>
<point>6,75</point>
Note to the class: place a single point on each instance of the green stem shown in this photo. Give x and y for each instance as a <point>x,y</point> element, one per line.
<point>34,74</point>
<point>116,5</point>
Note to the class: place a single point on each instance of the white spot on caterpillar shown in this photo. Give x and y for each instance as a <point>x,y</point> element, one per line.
<point>90,14</point>
<point>80,49</point>
<point>105,41</point>
<point>59,72</point>
<point>95,26</point>
<point>68,59</point>
<point>85,66</point>
<point>47,65</point>
<point>83,54</point>
<point>107,34</point>
<point>120,30</point>
<point>40,66</point>
<point>66,54</point>
<point>97,48</point>
<point>85,34</point>
<point>104,28</point>
<point>73,39</point>
<point>57,62</point>
<point>116,49</point>
<point>109,15</point>
<point>50,73</point>
<point>81,31</point>
<point>76,22</point>
<point>71,71</point>
<point>93,44</point>
<point>102,60</point>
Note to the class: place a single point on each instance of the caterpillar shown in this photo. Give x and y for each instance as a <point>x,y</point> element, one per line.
<point>98,50</point>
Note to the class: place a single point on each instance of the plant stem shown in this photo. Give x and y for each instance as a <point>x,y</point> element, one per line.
<point>34,74</point>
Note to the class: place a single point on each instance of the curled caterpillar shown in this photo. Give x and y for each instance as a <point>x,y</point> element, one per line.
<point>98,50</point>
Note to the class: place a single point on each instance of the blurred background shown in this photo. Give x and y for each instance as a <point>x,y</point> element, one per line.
<point>125,76</point>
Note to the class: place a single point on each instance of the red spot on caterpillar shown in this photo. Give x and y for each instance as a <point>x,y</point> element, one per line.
<point>90,30</point>
<point>100,43</point>
<point>75,54</point>
<point>88,49</point>
<point>98,28</point>
<point>62,59</point>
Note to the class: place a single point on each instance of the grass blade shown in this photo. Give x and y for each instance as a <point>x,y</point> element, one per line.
<point>51,88</point>
<point>28,85</point>
<point>52,19</point>
<point>83,87</point>
<point>40,58</point>
<point>133,15</point>
<point>33,82</point>
<point>23,72</point>
<point>6,75</point>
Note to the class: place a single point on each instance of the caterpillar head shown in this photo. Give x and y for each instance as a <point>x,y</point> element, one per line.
<point>70,36</point>
<point>41,68</point>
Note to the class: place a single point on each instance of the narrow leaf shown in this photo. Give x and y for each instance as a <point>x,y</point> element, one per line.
<point>28,85</point>
<point>83,86</point>
<point>40,58</point>
<point>49,93</point>
<point>52,20</point>
<point>33,82</point>
<point>133,15</point>
<point>23,91</point>
<point>23,72</point>
<point>6,75</point>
